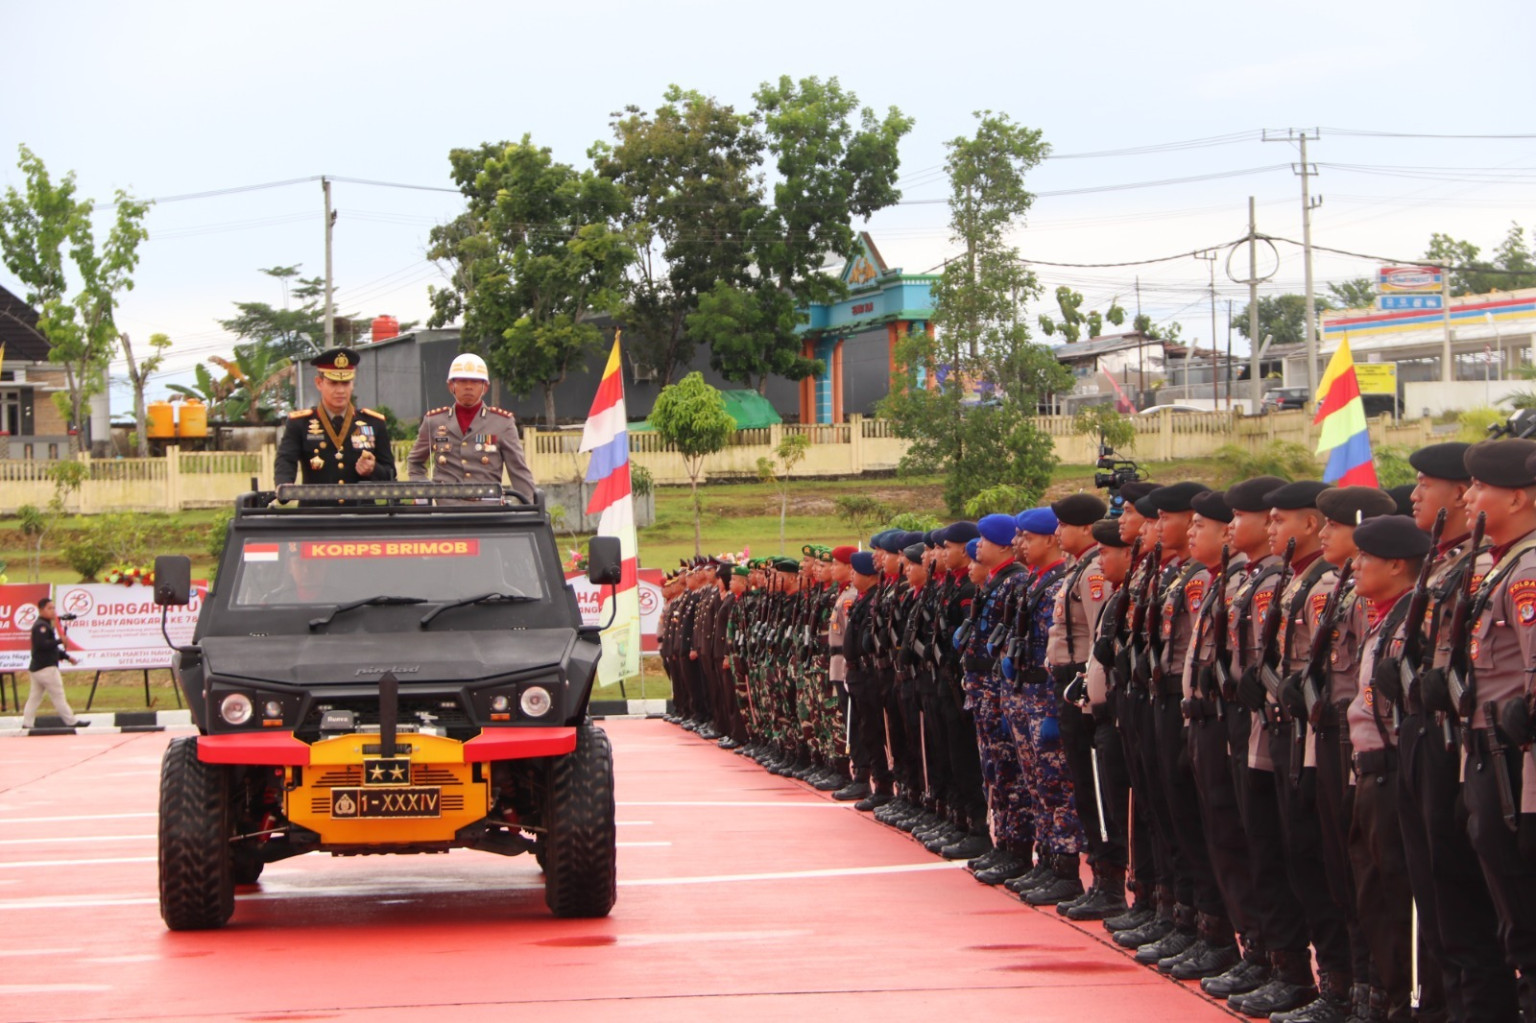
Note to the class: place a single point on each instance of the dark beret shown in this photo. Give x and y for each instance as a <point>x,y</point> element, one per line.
<point>1145,507</point>
<point>960,532</point>
<point>786,564</point>
<point>1403,495</point>
<point>1350,506</point>
<point>1505,463</point>
<point>1252,495</point>
<point>1212,505</point>
<point>909,538</point>
<point>931,538</point>
<point>1292,496</point>
<point>914,552</point>
<point>885,540</point>
<point>1442,461</point>
<point>1080,509</point>
<point>1176,496</point>
<point>1107,533</point>
<point>863,562</point>
<point>1133,492</point>
<point>1392,536</point>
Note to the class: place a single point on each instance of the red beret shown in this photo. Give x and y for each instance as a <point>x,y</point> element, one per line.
<point>844,554</point>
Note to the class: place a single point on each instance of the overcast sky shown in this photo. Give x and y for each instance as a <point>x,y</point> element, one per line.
<point>166,99</point>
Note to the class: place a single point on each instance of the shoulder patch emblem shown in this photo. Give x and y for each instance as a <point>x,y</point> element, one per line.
<point>1522,593</point>
<point>1316,605</point>
<point>1261,602</point>
<point>1192,594</point>
<point>1096,587</point>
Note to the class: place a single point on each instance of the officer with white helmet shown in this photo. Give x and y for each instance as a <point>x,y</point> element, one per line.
<point>470,441</point>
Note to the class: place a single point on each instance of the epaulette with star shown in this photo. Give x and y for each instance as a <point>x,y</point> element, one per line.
<point>498,411</point>
<point>301,413</point>
<point>438,411</point>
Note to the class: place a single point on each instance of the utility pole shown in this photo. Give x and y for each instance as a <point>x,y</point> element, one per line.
<point>1306,171</point>
<point>330,309</point>
<point>1209,255</point>
<point>1255,385</point>
<point>1141,346</point>
<point>1229,355</point>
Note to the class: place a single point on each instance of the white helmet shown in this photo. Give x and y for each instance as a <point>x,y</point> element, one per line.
<point>468,367</point>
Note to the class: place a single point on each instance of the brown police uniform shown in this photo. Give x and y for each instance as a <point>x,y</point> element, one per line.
<point>478,455</point>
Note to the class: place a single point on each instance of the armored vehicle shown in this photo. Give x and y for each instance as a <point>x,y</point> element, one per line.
<point>386,668</point>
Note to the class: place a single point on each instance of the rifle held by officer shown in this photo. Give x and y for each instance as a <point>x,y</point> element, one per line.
<point>1263,677</point>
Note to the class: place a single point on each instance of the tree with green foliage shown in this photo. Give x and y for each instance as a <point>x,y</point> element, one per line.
<point>829,170</point>
<point>1513,264</point>
<point>138,376</point>
<point>1104,422</point>
<point>253,382</point>
<point>790,452</point>
<point>81,331</point>
<point>1171,333</point>
<point>1074,324</point>
<point>1283,317</point>
<point>539,254</point>
<point>690,417</point>
<point>966,396</point>
<point>293,332</point>
<point>687,171</point>
<point>1359,293</point>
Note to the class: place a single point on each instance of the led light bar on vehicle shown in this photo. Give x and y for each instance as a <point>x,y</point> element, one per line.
<point>396,491</point>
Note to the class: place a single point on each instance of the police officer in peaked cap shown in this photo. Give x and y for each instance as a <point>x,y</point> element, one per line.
<point>335,442</point>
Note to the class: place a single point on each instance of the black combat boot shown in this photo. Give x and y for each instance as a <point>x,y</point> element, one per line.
<point>1250,973</point>
<point>1175,942</point>
<point>1015,862</point>
<point>1332,1004</point>
<point>936,839</point>
<point>1289,987</point>
<point>835,777</point>
<point>1155,928</point>
<point>856,789</point>
<point>1140,912</point>
<point>1214,954</point>
<point>988,858</point>
<point>881,796</point>
<point>1035,876</point>
<point>1359,1004</point>
<point>966,847</point>
<point>1105,899</point>
<point>1066,882</point>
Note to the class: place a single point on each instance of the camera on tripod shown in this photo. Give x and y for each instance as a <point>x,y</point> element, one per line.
<point>1522,423</point>
<point>68,618</point>
<point>1112,474</point>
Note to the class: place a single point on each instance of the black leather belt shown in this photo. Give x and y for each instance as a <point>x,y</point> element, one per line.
<point>1376,762</point>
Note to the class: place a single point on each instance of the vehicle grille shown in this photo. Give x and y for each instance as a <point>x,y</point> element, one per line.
<point>414,711</point>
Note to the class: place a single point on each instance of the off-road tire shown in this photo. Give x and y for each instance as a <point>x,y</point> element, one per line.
<point>197,885</point>
<point>580,872</point>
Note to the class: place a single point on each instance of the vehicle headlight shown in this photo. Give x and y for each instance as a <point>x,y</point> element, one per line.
<point>273,708</point>
<point>236,709</point>
<point>501,703</point>
<point>535,702</point>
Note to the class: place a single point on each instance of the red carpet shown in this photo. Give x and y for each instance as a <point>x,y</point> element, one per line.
<point>742,896</point>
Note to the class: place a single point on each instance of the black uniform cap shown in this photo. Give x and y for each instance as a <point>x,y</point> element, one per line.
<point>914,552</point>
<point>1079,509</point>
<point>1403,495</point>
<point>1212,505</point>
<point>1392,536</point>
<point>1506,463</point>
<point>1135,491</point>
<point>1252,495</point>
<point>1350,506</point>
<point>1292,496</point>
<point>1176,497</point>
<point>337,363</point>
<point>1145,507</point>
<point>1107,533</point>
<point>959,532</point>
<point>1442,461</point>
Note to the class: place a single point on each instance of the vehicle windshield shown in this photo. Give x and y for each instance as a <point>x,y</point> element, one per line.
<point>438,569</point>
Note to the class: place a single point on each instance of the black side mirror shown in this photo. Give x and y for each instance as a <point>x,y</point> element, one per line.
<point>173,580</point>
<point>605,561</point>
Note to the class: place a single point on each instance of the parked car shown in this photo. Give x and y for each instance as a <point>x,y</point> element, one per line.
<point>1285,399</point>
<point>1171,408</point>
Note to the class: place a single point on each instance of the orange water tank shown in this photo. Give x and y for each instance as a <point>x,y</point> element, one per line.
<point>385,327</point>
<point>160,420</point>
<point>193,424</point>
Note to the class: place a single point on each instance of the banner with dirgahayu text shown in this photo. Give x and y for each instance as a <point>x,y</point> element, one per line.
<point>18,613</point>
<point>117,627</point>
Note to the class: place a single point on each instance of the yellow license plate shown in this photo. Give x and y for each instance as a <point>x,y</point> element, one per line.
<point>378,803</point>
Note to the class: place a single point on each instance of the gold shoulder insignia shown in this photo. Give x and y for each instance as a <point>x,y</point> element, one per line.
<point>498,411</point>
<point>439,410</point>
<point>302,413</point>
<point>371,412</point>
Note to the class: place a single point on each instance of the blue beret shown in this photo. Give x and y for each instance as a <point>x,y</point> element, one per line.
<point>1041,521</point>
<point>863,562</point>
<point>907,539</point>
<point>882,540</point>
<point>960,532</point>
<point>970,547</point>
<point>997,528</point>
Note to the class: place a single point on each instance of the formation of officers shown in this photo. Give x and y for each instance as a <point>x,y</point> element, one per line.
<point>1290,719</point>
